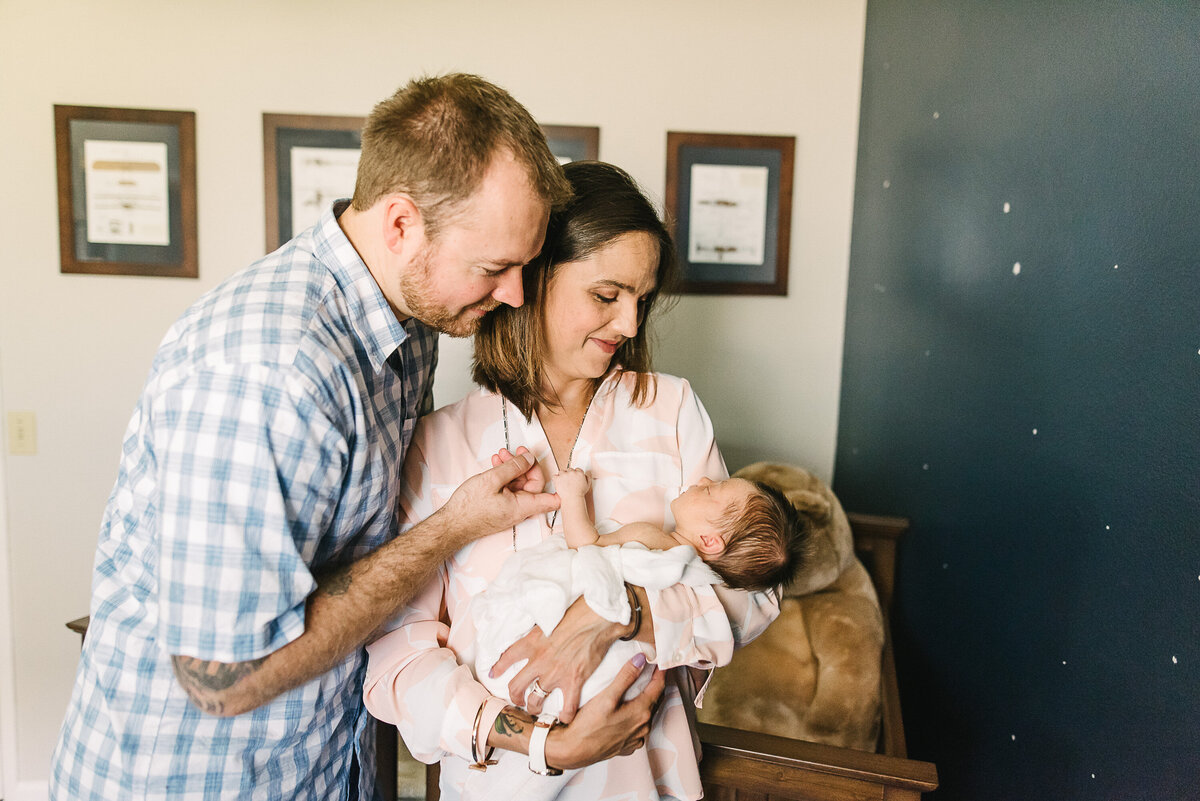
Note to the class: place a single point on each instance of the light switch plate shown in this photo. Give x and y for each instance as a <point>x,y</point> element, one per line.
<point>22,432</point>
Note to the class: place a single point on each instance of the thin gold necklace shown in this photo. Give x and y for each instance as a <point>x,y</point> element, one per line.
<point>570,453</point>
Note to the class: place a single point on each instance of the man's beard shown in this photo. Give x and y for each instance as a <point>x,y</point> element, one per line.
<point>415,286</point>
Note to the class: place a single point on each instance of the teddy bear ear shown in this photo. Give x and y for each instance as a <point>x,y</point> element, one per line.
<point>813,504</point>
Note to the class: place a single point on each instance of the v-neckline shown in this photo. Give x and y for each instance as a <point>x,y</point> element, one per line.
<point>580,432</point>
<point>573,447</point>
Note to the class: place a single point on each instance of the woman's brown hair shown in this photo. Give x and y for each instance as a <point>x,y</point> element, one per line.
<point>607,203</point>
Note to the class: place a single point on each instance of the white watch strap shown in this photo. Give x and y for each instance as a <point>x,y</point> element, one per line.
<point>537,745</point>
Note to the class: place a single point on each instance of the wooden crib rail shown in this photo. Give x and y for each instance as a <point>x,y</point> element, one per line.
<point>748,766</point>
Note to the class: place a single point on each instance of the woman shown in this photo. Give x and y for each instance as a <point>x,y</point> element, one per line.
<point>567,376</point>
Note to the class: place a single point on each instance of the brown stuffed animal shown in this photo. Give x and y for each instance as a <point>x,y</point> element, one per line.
<point>814,674</point>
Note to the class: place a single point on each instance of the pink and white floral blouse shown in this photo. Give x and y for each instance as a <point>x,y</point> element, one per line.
<point>639,459</point>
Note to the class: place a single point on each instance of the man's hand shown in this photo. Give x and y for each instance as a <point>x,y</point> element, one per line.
<point>497,499</point>
<point>532,480</point>
<point>572,481</point>
<point>606,726</point>
<point>563,661</point>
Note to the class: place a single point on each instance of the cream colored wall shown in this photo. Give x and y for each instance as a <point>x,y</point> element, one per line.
<point>76,348</point>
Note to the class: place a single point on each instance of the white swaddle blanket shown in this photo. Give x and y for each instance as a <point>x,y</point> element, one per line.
<point>535,587</point>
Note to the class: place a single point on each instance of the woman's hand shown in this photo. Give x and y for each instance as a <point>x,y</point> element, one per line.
<point>563,661</point>
<point>606,726</point>
<point>496,499</point>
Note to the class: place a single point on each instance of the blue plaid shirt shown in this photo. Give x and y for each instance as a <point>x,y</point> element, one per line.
<point>266,444</point>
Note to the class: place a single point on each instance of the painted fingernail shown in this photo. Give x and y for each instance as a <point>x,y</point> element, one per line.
<point>638,661</point>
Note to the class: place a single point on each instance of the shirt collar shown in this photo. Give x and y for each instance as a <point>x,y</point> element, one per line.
<point>370,316</point>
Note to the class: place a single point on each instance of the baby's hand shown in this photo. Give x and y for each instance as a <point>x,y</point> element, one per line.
<point>571,481</point>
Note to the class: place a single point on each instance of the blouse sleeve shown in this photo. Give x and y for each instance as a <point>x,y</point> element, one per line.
<point>701,626</point>
<point>413,679</point>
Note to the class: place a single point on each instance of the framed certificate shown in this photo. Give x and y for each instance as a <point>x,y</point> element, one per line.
<point>308,162</point>
<point>730,196</point>
<point>573,142</point>
<point>126,191</point>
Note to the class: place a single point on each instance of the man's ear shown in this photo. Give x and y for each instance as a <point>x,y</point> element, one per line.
<point>403,224</point>
<point>711,544</point>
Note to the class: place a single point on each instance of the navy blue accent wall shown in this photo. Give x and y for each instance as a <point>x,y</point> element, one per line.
<point>1022,379</point>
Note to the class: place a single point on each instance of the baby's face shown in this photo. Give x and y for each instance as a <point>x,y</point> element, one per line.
<point>700,510</point>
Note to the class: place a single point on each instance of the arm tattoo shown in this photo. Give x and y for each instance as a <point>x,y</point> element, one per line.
<point>202,679</point>
<point>337,583</point>
<point>509,724</point>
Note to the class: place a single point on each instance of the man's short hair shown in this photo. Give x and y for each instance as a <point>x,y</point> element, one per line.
<point>434,139</point>
<point>766,541</point>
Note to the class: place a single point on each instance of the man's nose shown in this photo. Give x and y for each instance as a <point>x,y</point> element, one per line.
<point>509,289</point>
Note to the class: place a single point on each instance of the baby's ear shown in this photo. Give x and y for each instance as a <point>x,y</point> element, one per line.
<point>711,544</point>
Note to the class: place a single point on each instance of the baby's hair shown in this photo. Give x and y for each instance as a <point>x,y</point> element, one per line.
<point>766,541</point>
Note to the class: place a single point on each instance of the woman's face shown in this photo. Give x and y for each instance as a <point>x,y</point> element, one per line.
<point>593,305</point>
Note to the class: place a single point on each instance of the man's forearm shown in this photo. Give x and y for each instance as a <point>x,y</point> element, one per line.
<point>348,606</point>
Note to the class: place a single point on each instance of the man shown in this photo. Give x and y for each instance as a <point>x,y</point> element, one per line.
<point>248,548</point>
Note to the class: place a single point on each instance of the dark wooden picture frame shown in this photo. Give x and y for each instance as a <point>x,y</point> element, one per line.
<point>573,142</point>
<point>119,226</point>
<point>282,133</point>
<point>762,269</point>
